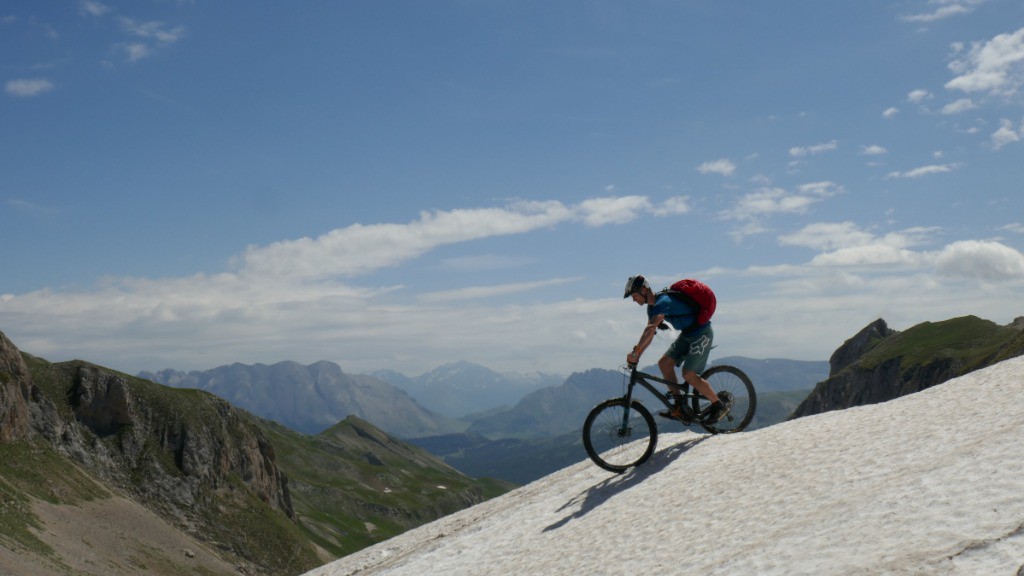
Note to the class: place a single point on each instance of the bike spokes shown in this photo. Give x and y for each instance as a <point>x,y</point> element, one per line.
<point>617,436</point>
<point>735,388</point>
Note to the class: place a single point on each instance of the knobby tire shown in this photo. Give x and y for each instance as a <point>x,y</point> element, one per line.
<point>733,381</point>
<point>613,448</point>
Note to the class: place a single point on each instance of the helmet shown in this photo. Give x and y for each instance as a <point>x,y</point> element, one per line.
<point>634,284</point>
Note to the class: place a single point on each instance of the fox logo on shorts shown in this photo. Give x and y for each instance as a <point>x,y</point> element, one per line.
<point>698,347</point>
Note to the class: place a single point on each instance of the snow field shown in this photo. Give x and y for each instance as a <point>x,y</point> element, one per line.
<point>931,483</point>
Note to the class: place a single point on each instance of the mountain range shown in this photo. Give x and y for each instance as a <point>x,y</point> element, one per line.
<point>463,388</point>
<point>310,399</point>
<point>102,469</point>
<point>105,473</point>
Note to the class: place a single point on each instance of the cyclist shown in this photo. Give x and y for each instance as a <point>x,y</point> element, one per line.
<point>690,350</point>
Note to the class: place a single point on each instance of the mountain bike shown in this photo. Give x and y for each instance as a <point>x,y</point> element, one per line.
<point>620,433</point>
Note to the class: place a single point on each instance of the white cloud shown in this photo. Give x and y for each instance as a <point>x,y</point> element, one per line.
<point>673,206</point>
<point>918,96</point>
<point>1006,134</point>
<point>136,51</point>
<point>155,35</point>
<point>828,236</point>
<point>980,260</point>
<point>28,87</point>
<point>961,105</point>
<point>153,30</point>
<point>995,66</point>
<point>93,8</point>
<point>890,112</point>
<point>722,166</point>
<point>873,150</point>
<point>302,287</point>
<point>877,254</point>
<point>923,171</point>
<point>946,9</point>
<point>845,244</point>
<point>800,151</point>
<point>1016,228</point>
<point>620,210</point>
<point>359,248</point>
<point>768,201</point>
<point>478,292</point>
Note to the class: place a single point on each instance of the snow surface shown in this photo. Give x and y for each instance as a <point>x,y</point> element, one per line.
<point>931,483</point>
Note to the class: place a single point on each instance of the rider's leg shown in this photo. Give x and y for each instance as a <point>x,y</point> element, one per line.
<point>700,385</point>
<point>697,353</point>
<point>668,372</point>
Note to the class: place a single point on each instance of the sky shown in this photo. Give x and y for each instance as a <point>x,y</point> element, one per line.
<point>399,185</point>
<point>925,485</point>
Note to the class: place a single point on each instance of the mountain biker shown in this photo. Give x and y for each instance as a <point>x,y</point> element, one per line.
<point>690,349</point>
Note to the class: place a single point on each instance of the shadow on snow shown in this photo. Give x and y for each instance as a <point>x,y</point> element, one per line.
<point>600,493</point>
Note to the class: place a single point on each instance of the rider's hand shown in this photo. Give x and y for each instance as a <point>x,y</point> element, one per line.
<point>632,359</point>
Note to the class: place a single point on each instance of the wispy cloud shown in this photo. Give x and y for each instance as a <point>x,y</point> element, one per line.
<point>923,171</point>
<point>478,292</point>
<point>961,105</point>
<point>1006,134</point>
<point>722,166</point>
<point>28,87</point>
<point>154,30</point>
<point>918,96</point>
<point>942,9</point>
<point>92,8</point>
<point>273,293</point>
<point>873,150</point>
<point>770,201</point>
<point>359,248</point>
<point>801,151</point>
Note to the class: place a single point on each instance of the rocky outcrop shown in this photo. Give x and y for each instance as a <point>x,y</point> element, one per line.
<point>15,390</point>
<point>168,447</point>
<point>854,348</point>
<point>880,364</point>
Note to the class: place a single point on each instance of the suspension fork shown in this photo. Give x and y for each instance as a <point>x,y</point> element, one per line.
<point>629,401</point>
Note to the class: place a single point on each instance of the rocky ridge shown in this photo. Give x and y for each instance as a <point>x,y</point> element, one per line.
<point>879,364</point>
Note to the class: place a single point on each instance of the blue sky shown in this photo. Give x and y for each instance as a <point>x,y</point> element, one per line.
<point>404,184</point>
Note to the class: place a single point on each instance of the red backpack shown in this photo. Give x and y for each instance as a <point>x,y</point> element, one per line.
<point>698,295</point>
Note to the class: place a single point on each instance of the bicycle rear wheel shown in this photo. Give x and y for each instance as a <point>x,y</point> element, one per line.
<point>730,383</point>
<point>616,442</point>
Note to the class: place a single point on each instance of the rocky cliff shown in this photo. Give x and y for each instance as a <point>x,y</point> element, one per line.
<point>15,386</point>
<point>202,465</point>
<point>879,364</point>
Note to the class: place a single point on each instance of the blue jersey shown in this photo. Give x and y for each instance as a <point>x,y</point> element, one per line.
<point>677,313</point>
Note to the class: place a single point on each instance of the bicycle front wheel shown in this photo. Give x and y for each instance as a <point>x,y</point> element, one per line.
<point>617,437</point>
<point>730,383</point>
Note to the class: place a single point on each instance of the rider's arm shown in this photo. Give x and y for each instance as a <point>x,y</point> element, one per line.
<point>645,339</point>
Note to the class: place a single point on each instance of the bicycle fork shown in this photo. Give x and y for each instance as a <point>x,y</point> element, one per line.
<point>625,430</point>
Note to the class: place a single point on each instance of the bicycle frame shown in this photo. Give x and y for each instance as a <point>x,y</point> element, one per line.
<point>642,378</point>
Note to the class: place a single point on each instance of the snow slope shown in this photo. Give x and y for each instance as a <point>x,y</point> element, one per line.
<point>931,483</point>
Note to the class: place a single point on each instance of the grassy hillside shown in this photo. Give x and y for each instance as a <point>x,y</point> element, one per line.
<point>353,485</point>
<point>971,340</point>
<point>901,363</point>
<point>265,499</point>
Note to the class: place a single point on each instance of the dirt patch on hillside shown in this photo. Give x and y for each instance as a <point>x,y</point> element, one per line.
<point>111,537</point>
